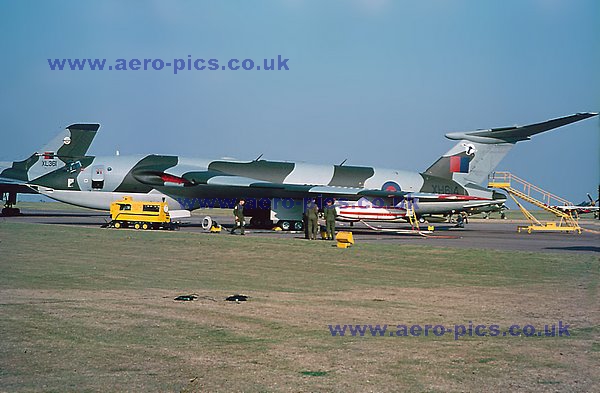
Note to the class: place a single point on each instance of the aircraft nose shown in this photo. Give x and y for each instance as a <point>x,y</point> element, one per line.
<point>498,196</point>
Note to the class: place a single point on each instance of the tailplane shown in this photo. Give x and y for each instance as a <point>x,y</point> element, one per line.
<point>478,153</point>
<point>71,143</point>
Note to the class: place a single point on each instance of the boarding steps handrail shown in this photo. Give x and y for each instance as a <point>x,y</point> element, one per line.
<point>528,188</point>
<point>505,180</point>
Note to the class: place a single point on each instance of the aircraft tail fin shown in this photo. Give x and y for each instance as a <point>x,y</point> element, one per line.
<point>72,142</point>
<point>478,153</point>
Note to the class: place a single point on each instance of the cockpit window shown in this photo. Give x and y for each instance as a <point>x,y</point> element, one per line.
<point>125,207</point>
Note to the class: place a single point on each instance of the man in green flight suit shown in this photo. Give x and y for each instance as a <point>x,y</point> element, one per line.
<point>238,212</point>
<point>330,215</point>
<point>312,213</point>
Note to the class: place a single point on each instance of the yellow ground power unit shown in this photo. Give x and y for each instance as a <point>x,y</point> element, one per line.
<point>140,214</point>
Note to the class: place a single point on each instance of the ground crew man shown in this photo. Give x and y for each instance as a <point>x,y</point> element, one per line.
<point>238,213</point>
<point>329,215</point>
<point>305,224</point>
<point>460,221</point>
<point>312,213</point>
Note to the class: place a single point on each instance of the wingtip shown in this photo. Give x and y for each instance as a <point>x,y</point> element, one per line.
<point>84,127</point>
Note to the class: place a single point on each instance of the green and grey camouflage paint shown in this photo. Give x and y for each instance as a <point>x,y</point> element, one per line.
<point>452,183</point>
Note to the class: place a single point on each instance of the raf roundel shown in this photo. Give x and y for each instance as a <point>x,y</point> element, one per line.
<point>391,186</point>
<point>67,140</point>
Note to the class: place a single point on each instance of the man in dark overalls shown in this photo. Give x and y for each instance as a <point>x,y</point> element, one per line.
<point>330,215</point>
<point>312,213</point>
<point>238,212</point>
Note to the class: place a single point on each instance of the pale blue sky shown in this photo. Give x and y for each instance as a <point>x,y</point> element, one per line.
<point>377,82</point>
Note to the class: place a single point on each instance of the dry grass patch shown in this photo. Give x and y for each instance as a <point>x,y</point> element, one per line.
<point>78,317</point>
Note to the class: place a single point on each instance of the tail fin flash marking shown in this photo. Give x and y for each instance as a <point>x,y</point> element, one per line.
<point>459,164</point>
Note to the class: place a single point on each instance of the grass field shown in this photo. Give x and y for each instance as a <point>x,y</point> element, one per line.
<point>86,309</point>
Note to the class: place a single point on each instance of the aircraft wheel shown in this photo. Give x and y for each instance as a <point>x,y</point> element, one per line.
<point>117,225</point>
<point>136,225</point>
<point>285,225</point>
<point>10,211</point>
<point>145,226</point>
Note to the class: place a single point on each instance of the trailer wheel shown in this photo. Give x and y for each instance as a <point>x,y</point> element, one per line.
<point>136,225</point>
<point>145,226</point>
<point>285,225</point>
<point>117,225</point>
<point>298,226</point>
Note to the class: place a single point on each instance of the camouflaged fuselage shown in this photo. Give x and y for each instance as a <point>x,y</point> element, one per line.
<point>183,179</point>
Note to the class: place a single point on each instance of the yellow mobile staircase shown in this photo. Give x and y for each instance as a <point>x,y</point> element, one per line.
<point>519,188</point>
<point>412,216</point>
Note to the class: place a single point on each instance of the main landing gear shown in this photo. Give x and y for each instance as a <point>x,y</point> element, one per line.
<point>9,209</point>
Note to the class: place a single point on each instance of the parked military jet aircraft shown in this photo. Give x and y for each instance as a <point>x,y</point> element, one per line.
<point>68,146</point>
<point>279,190</point>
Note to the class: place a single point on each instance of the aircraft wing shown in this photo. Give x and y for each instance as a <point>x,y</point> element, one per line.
<point>14,186</point>
<point>578,209</point>
<point>210,182</point>
<point>9,181</point>
<point>252,187</point>
<point>301,190</point>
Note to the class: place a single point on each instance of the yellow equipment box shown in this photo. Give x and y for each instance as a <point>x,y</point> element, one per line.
<point>140,214</point>
<point>344,239</point>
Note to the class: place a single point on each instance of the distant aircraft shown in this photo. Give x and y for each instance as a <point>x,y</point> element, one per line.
<point>584,207</point>
<point>69,145</point>
<point>279,190</point>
